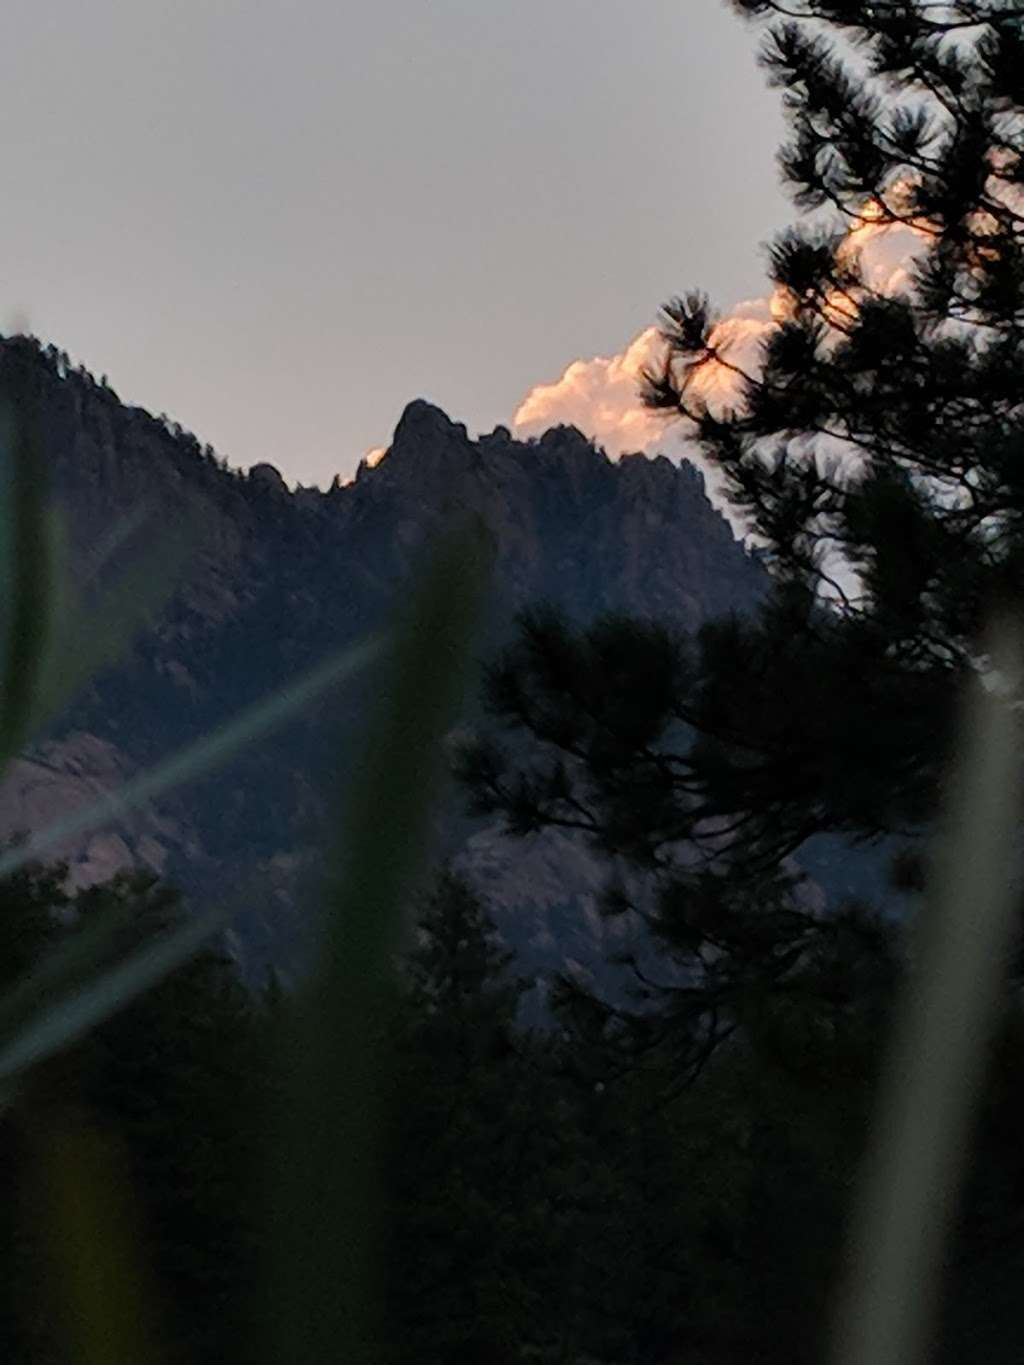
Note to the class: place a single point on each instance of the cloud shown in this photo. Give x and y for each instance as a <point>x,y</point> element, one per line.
<point>600,395</point>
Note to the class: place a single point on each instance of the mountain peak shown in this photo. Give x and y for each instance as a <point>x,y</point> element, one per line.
<point>427,442</point>
<point>268,476</point>
<point>271,590</point>
<point>425,421</point>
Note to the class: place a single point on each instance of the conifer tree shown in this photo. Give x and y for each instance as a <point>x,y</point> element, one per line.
<point>463,1149</point>
<point>875,452</point>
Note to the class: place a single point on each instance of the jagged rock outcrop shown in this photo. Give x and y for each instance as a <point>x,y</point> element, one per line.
<point>636,535</point>
<point>275,581</point>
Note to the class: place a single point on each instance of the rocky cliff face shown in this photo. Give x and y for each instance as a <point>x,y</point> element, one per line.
<point>277,580</point>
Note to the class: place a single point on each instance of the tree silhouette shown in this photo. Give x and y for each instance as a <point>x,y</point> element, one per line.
<point>875,451</point>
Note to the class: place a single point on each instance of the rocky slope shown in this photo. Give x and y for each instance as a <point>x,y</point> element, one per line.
<point>277,580</point>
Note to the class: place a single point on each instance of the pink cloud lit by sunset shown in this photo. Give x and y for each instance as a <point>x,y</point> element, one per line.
<point>600,395</point>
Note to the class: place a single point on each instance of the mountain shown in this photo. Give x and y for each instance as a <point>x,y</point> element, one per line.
<point>277,580</point>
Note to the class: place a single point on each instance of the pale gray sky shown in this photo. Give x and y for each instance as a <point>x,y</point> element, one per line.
<point>279,220</point>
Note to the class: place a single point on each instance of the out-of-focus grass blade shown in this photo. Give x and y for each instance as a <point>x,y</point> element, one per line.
<point>103,1291</point>
<point>197,758</point>
<point>27,567</point>
<point>59,1021</point>
<point>324,1295</point>
<point>913,1169</point>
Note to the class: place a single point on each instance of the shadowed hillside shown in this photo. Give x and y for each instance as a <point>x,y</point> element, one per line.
<point>276,580</point>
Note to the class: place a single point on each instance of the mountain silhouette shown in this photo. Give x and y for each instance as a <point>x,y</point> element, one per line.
<point>276,580</point>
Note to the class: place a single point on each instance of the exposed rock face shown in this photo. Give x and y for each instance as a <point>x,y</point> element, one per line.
<point>54,780</point>
<point>276,581</point>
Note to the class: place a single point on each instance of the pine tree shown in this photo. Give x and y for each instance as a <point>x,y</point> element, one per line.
<point>876,454</point>
<point>463,1150</point>
<point>724,934</point>
<point>457,972</point>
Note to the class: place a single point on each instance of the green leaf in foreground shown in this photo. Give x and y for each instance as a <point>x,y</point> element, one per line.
<point>913,1171</point>
<point>324,1293</point>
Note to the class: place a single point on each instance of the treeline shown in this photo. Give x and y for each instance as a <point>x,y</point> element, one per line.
<point>27,349</point>
<point>553,1196</point>
<point>159,1112</point>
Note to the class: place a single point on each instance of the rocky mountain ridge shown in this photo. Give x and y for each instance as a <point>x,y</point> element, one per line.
<point>277,580</point>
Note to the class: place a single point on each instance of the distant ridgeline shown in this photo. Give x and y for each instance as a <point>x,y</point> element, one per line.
<point>277,580</point>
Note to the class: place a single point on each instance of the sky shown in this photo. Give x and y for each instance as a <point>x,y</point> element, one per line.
<point>278,221</point>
